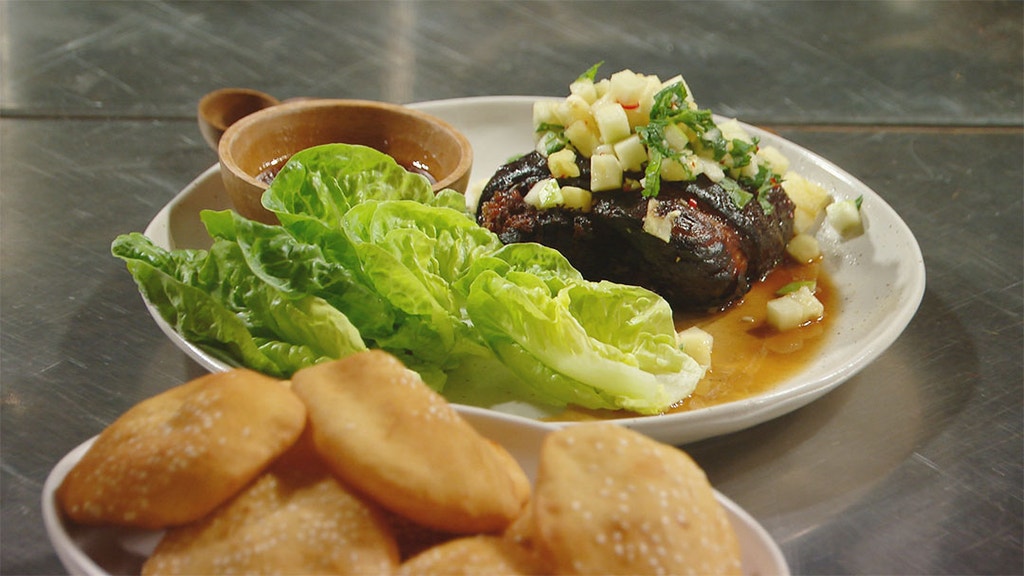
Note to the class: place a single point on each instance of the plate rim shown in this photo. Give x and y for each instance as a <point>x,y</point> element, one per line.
<point>713,420</point>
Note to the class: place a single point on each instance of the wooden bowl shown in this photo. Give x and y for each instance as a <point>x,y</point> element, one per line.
<point>220,109</point>
<point>252,148</point>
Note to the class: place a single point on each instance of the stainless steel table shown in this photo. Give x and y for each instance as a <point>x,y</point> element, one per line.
<point>913,466</point>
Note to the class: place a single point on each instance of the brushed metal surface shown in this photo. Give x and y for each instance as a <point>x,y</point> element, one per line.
<point>914,466</point>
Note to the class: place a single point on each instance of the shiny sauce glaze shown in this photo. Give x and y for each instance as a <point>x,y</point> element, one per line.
<point>749,357</point>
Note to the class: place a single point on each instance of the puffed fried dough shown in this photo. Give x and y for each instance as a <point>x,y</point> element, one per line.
<point>609,500</point>
<point>294,519</point>
<point>385,433</point>
<point>414,538</point>
<point>176,456</point>
<point>522,534</point>
<point>479,555</point>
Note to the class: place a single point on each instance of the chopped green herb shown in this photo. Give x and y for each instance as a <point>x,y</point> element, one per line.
<point>591,73</point>
<point>653,136</point>
<point>652,175</point>
<point>553,138</point>
<point>762,182</point>
<point>739,196</point>
<point>670,107</point>
<point>668,101</point>
<point>549,127</point>
<point>794,286</point>
<point>710,137</point>
<point>742,152</point>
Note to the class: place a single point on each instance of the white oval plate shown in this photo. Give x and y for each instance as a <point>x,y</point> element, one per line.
<point>100,551</point>
<point>879,276</point>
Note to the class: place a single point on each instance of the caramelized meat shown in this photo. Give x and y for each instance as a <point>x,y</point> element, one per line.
<point>716,250</point>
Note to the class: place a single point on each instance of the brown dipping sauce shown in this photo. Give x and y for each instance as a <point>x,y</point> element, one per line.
<point>268,171</point>
<point>749,357</point>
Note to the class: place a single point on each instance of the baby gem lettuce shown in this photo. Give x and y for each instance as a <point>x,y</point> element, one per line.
<point>367,256</point>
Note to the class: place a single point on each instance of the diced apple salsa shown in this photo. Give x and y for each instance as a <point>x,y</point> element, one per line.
<point>615,122</point>
<point>638,130</point>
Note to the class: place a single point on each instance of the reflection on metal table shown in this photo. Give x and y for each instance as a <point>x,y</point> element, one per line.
<point>912,466</point>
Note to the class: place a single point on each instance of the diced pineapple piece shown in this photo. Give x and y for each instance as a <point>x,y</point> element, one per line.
<point>584,88</point>
<point>544,194</point>
<point>677,137</point>
<point>603,149</point>
<point>611,120</point>
<point>751,169</point>
<point>673,170</point>
<point>641,115</point>
<point>562,164</point>
<point>692,140</point>
<point>473,193</point>
<point>697,344</point>
<point>774,159</point>
<point>805,194</point>
<point>627,87</point>
<point>574,108</point>
<point>583,137</point>
<point>657,225</point>
<point>794,309</point>
<point>601,87</point>
<point>673,80</point>
<point>710,168</point>
<point>603,100</point>
<point>579,198</point>
<point>845,217</point>
<point>732,130</point>
<point>804,221</point>
<point>631,153</point>
<point>632,184</point>
<point>605,173</point>
<point>635,96</point>
<point>803,248</point>
<point>545,112</point>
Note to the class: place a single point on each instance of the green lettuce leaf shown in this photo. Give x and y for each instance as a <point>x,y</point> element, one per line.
<point>214,301</point>
<point>299,268</point>
<point>413,253</point>
<point>367,255</point>
<point>593,344</point>
<point>324,182</point>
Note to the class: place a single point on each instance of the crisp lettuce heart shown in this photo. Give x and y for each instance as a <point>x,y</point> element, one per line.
<point>366,255</point>
<point>215,301</point>
<point>583,344</point>
<point>324,182</point>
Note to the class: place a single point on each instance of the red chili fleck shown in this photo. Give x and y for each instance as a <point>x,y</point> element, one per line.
<point>692,202</point>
